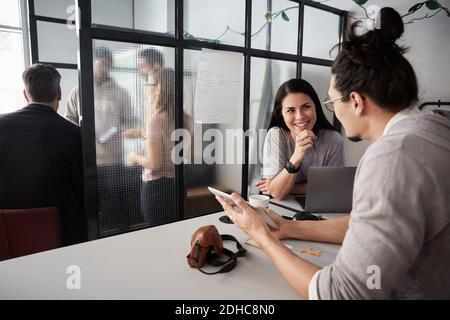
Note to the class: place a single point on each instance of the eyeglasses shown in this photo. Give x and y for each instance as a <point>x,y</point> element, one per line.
<point>329,103</point>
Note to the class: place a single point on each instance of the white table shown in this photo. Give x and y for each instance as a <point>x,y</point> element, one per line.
<point>288,201</point>
<point>150,264</point>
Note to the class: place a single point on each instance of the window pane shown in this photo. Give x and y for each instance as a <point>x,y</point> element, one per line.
<point>266,77</point>
<point>63,9</point>
<point>133,193</point>
<point>11,66</point>
<point>207,168</point>
<point>10,13</point>
<point>57,42</point>
<point>284,34</point>
<point>320,33</point>
<point>319,77</point>
<point>148,15</point>
<point>215,21</point>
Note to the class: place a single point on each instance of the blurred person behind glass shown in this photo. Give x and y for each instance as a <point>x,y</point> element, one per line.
<point>158,175</point>
<point>113,114</point>
<point>150,63</point>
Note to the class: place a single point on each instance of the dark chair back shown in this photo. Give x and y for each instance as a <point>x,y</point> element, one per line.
<point>27,231</point>
<point>4,243</point>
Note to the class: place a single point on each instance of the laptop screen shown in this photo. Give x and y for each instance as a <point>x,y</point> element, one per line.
<point>330,189</point>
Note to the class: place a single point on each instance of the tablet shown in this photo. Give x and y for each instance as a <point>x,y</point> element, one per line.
<point>230,200</point>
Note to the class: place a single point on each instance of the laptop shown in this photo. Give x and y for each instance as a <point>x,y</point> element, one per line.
<point>330,190</point>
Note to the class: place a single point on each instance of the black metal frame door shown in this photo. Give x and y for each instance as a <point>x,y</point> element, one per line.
<point>87,33</point>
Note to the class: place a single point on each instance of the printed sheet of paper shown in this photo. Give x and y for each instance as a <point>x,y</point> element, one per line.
<point>219,88</point>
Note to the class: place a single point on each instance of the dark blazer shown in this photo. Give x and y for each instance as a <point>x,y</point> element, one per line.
<point>41,165</point>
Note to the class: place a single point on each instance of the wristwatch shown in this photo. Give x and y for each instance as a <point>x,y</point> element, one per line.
<point>290,167</point>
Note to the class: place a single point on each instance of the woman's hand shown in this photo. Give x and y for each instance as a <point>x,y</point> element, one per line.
<point>303,141</point>
<point>263,185</point>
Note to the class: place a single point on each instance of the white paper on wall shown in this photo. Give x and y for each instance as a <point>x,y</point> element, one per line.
<point>219,87</point>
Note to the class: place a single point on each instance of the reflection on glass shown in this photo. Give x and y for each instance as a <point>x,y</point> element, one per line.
<point>11,66</point>
<point>148,15</point>
<point>319,77</point>
<point>215,21</point>
<point>266,77</point>
<point>320,33</point>
<point>283,28</point>
<point>64,50</point>
<point>200,172</point>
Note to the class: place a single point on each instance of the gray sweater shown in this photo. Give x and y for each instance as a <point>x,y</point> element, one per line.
<point>279,147</point>
<point>399,228</point>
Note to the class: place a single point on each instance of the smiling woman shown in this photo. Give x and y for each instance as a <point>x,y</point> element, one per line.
<point>299,137</point>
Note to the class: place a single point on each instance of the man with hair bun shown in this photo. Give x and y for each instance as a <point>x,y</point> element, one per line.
<point>396,241</point>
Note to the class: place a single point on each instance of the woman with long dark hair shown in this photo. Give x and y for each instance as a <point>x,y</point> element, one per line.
<point>299,137</point>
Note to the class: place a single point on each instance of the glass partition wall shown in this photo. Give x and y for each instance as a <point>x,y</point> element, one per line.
<point>138,64</point>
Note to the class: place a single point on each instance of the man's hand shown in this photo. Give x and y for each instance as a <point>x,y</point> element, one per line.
<point>283,224</point>
<point>248,220</point>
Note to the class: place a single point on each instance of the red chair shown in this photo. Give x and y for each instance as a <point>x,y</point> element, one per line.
<point>4,243</point>
<point>27,231</point>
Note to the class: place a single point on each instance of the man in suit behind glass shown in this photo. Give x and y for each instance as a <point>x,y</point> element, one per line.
<point>40,155</point>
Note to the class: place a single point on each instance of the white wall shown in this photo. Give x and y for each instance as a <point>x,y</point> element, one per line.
<point>429,43</point>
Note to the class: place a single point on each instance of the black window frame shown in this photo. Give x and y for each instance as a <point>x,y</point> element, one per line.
<point>34,41</point>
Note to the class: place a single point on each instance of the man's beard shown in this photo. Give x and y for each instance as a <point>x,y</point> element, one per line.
<point>355,138</point>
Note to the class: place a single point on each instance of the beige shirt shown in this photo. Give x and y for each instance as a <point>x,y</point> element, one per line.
<point>113,113</point>
<point>160,126</point>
